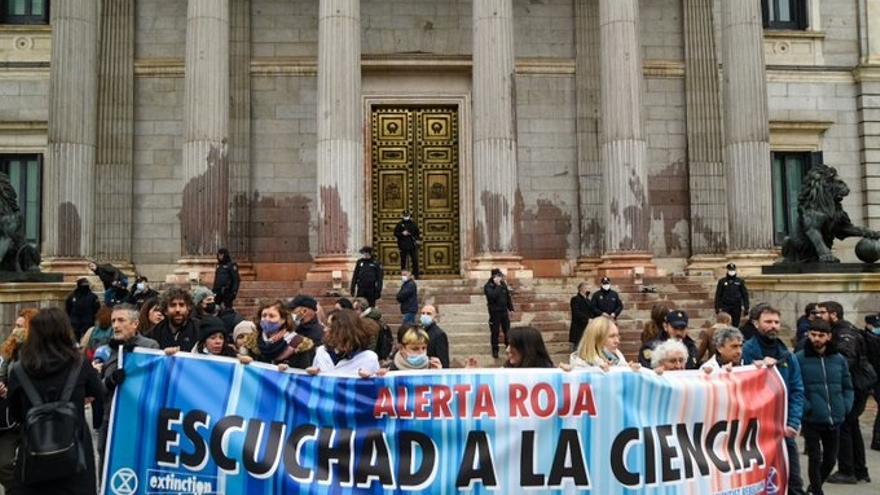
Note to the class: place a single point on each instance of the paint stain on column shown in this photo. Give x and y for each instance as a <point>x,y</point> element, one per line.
<point>543,231</point>
<point>496,209</point>
<point>281,228</point>
<point>333,230</point>
<point>205,210</point>
<point>69,231</point>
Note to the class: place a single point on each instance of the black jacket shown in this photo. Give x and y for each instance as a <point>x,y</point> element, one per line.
<point>438,344</point>
<point>367,277</point>
<point>853,345</point>
<point>408,297</point>
<point>186,338</point>
<point>312,330</point>
<point>647,351</point>
<point>82,305</point>
<point>407,242</point>
<point>497,297</point>
<point>108,274</point>
<point>582,311</point>
<point>731,292</point>
<point>748,330</point>
<point>226,278</point>
<point>139,298</point>
<point>607,302</point>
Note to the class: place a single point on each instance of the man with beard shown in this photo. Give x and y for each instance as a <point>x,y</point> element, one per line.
<point>179,329</point>
<point>767,344</point>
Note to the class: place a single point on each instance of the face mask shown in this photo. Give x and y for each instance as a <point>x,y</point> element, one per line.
<point>210,308</point>
<point>606,287</point>
<point>270,327</point>
<point>731,273</point>
<point>426,320</point>
<point>417,361</point>
<point>875,330</point>
<point>407,218</point>
<point>141,287</point>
<point>403,279</point>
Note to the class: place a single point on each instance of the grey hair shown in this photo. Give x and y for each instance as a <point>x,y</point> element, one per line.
<point>724,335</point>
<point>582,285</point>
<point>133,313</point>
<point>666,349</point>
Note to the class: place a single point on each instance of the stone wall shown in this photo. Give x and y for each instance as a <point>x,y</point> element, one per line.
<point>544,28</point>
<point>284,28</point>
<point>840,22</point>
<point>660,23</point>
<point>160,30</point>
<point>25,100</point>
<point>416,26</point>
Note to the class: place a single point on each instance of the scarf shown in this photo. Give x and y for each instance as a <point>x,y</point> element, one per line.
<point>771,347</point>
<point>402,364</point>
<point>270,349</point>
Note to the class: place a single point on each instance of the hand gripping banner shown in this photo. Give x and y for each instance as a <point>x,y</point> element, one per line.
<point>201,425</point>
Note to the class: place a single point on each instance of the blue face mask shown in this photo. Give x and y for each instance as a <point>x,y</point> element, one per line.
<point>426,320</point>
<point>875,330</point>
<point>418,360</point>
<point>270,327</point>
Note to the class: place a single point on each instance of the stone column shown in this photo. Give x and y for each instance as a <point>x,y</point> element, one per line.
<point>587,95</point>
<point>705,164</point>
<point>746,135</point>
<point>495,171</point>
<point>868,78</point>
<point>69,185</point>
<point>240,134</point>
<point>340,138</point>
<point>622,142</point>
<point>205,211</point>
<point>115,156</point>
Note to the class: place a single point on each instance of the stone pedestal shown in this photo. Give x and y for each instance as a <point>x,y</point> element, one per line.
<point>627,265</point>
<point>193,269</point>
<point>333,271</point>
<point>707,265</point>
<point>588,266</point>
<point>16,296</point>
<point>750,263</point>
<point>480,267</point>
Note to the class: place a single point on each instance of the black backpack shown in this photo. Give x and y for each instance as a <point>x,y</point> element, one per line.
<point>51,448</point>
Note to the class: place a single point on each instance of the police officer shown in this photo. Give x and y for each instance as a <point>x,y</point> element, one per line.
<point>366,281</point>
<point>674,327</point>
<point>731,295</point>
<point>606,301</point>
<point>500,305</point>
<point>408,237</point>
<point>226,279</point>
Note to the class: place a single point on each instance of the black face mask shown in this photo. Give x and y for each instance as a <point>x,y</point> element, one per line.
<point>211,308</point>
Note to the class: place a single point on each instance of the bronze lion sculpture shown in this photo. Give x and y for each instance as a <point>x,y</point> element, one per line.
<point>16,254</point>
<point>821,219</point>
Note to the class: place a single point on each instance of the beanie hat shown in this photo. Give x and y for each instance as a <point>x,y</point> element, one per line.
<point>243,328</point>
<point>200,293</point>
<point>209,325</point>
<point>820,326</point>
<point>303,301</point>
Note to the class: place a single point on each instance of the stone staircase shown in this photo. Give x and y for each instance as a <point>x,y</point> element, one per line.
<point>540,302</point>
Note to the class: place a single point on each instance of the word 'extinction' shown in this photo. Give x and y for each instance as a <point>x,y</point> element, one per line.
<point>409,460</point>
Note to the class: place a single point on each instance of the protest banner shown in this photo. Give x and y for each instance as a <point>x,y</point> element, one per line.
<point>196,424</point>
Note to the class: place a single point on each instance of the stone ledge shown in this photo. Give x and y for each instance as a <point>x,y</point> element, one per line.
<point>815,283</point>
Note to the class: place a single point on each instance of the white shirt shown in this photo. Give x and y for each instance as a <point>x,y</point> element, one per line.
<point>713,363</point>
<point>365,360</point>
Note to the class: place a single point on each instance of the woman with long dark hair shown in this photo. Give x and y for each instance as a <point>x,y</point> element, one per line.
<point>47,358</point>
<point>526,349</point>
<point>150,316</point>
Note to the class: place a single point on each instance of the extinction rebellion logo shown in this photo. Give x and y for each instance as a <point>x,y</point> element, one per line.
<point>125,482</point>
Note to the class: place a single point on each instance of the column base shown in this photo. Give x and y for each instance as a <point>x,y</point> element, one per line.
<point>750,263</point>
<point>332,270</point>
<point>246,270</point>
<point>70,268</point>
<point>480,267</point>
<point>627,265</point>
<point>707,264</point>
<point>193,270</point>
<point>587,266</point>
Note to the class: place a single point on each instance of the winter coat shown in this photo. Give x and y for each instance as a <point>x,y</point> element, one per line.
<point>582,311</point>
<point>438,344</point>
<point>108,274</point>
<point>787,364</point>
<point>185,338</point>
<point>607,302</point>
<point>408,297</point>
<point>731,293</point>
<point>497,297</point>
<point>828,390</point>
<point>139,298</point>
<point>299,352</point>
<point>312,330</point>
<point>407,242</point>
<point>327,361</point>
<point>226,279</point>
<point>81,306</point>
<point>852,345</point>
<point>367,277</point>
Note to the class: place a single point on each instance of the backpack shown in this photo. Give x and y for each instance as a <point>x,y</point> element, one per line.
<point>51,448</point>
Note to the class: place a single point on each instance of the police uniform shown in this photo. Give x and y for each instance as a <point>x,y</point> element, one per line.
<point>677,319</point>
<point>731,296</point>
<point>366,281</point>
<point>607,301</point>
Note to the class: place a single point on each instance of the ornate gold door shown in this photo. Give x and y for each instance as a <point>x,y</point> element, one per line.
<point>415,167</point>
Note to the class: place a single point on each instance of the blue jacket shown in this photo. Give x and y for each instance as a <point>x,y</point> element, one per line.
<point>788,367</point>
<point>827,386</point>
<point>408,297</point>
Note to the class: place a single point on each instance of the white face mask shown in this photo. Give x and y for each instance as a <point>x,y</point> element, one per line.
<point>731,273</point>
<point>141,286</point>
<point>404,278</point>
<point>606,287</point>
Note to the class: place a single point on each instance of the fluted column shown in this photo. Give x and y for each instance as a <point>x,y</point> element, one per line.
<point>495,173</point>
<point>205,211</point>
<point>622,140</point>
<point>115,152</point>
<point>73,113</point>
<point>590,196</point>
<point>240,128</point>
<point>708,203</point>
<point>340,139</point>
<point>746,127</point>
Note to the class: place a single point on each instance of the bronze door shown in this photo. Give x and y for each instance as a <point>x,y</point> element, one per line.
<point>415,167</point>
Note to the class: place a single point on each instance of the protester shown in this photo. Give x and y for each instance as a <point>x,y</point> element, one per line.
<point>828,394</point>
<point>674,327</point>
<point>706,345</point>
<point>179,328</point>
<point>240,335</point>
<point>654,327</point>
<point>99,334</point>
<point>366,281</point>
<point>803,323</point>
<point>10,436</point>
<point>304,311</point>
<point>141,292</point>
<point>213,338</point>
<point>278,341</point>
<point>598,346</point>
<point>727,344</point>
<point>413,352</point>
<point>408,237</point>
<point>150,316</point>
<point>226,279</point>
<point>345,348</point>
<point>16,339</point>
<point>767,344</point>
<point>343,303</point>
<point>670,355</point>
<point>408,297</point>
<point>872,332</point>
<point>526,349</point>
<point>731,295</point>
<point>204,301</point>
<point>851,463</point>
<point>500,305</point>
<point>438,341</point>
<point>48,361</point>
<point>230,318</point>
<point>724,318</point>
<point>749,329</point>
<point>111,278</point>
<point>606,301</point>
<point>581,311</point>
<point>381,339</point>
<point>81,306</point>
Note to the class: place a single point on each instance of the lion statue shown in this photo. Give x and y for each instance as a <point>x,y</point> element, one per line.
<point>821,219</point>
<point>16,254</point>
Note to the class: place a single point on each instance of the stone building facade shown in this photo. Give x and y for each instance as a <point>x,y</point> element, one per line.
<point>551,136</point>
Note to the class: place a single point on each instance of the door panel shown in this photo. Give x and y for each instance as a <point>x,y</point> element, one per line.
<point>415,167</point>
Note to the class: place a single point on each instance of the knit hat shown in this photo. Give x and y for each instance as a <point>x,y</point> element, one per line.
<point>820,326</point>
<point>244,328</point>
<point>200,293</point>
<point>303,301</point>
<point>210,325</point>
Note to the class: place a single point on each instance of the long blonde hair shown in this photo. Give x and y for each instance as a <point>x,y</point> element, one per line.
<point>591,348</point>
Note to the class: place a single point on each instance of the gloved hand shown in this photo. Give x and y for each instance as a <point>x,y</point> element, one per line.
<point>115,379</point>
